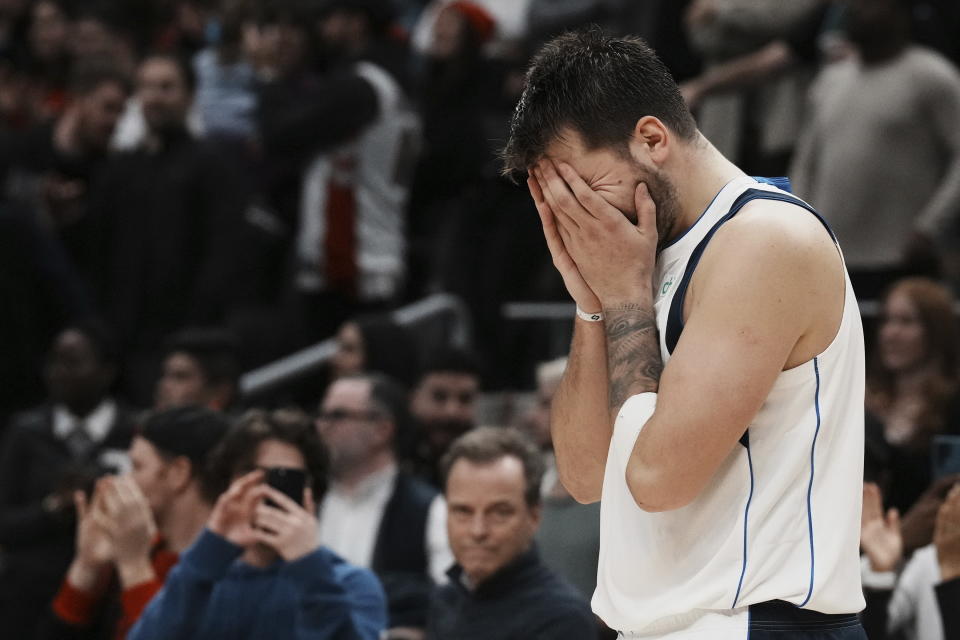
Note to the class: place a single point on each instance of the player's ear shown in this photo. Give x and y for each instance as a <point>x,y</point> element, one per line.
<point>651,140</point>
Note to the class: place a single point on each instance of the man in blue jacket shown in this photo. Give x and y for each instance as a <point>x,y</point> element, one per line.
<point>258,570</point>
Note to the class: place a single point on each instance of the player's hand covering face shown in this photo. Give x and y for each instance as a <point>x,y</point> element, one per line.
<point>614,256</point>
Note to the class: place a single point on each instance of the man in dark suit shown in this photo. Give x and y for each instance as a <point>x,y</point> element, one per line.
<point>47,453</point>
<point>373,514</point>
<point>167,213</point>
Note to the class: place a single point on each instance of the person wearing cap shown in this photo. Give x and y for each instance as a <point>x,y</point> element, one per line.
<point>130,534</point>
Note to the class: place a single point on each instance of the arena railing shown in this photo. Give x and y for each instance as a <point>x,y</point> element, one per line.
<point>444,309</point>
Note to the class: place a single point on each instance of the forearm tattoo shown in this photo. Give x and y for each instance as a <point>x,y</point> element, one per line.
<point>633,352</point>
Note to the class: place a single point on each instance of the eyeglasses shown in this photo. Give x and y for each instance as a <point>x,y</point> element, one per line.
<point>339,415</point>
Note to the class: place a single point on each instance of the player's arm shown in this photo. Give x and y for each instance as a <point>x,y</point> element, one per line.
<point>765,284</point>
<point>609,362</point>
<point>579,422</point>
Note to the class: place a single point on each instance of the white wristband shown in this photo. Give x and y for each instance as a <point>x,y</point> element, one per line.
<point>589,317</point>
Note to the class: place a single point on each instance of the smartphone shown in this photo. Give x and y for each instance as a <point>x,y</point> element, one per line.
<point>287,481</point>
<point>946,456</point>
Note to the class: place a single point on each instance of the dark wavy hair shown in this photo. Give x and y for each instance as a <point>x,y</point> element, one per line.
<point>236,453</point>
<point>597,85</point>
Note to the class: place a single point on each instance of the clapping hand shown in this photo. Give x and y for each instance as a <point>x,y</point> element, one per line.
<point>94,548</point>
<point>880,535</point>
<point>131,527</point>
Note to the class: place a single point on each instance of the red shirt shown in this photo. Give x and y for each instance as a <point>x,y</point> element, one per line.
<point>78,608</point>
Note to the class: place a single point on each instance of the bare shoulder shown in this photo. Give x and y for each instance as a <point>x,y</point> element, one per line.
<point>775,258</point>
<point>778,238</point>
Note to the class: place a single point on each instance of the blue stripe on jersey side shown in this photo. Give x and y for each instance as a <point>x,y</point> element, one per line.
<point>813,450</point>
<point>746,514</point>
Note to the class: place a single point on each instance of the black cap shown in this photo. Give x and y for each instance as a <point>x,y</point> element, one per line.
<point>192,432</point>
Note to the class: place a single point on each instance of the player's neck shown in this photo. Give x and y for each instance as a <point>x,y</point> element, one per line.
<point>712,170</point>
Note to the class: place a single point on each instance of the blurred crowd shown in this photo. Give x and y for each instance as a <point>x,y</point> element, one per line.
<point>193,188</point>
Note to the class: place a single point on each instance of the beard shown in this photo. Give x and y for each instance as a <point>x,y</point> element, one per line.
<point>664,196</point>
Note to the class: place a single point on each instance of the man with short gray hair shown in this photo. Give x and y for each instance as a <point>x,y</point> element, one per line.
<point>499,589</point>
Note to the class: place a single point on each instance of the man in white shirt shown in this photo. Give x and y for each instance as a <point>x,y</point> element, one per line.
<point>373,515</point>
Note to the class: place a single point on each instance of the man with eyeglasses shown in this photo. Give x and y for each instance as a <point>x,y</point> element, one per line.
<point>373,514</point>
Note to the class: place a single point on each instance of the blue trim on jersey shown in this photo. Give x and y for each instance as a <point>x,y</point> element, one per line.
<point>813,450</point>
<point>782,182</point>
<point>746,515</point>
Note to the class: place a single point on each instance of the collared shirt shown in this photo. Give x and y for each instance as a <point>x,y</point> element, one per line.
<point>350,521</point>
<point>97,424</point>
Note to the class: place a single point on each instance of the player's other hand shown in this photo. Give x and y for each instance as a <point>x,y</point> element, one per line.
<point>615,256</point>
<point>880,536</point>
<point>572,279</point>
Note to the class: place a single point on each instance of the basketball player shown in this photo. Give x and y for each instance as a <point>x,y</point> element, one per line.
<point>714,397</point>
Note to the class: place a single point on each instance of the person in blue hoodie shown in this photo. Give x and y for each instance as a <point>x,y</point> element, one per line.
<point>258,569</point>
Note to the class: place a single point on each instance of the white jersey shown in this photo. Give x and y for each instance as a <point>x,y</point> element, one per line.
<point>780,520</point>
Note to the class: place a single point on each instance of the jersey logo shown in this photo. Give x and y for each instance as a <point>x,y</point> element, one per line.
<point>666,287</point>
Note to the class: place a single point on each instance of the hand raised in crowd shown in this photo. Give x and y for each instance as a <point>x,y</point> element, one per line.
<point>94,548</point>
<point>232,516</point>
<point>880,536</point>
<point>615,256</point>
<point>131,527</point>
<point>946,536</point>
<point>292,530</point>
<point>918,523</point>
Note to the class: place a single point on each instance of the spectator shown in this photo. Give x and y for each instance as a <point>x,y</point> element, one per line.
<point>47,59</point>
<point>374,515</point>
<point>169,211</point>
<point>569,535</point>
<point>268,556</point>
<point>911,396</point>
<point>48,453</point>
<point>457,88</point>
<point>134,528</point>
<point>921,602</point>
<point>226,82</point>
<point>375,343</point>
<point>52,168</point>
<point>444,407</point>
<point>99,33</point>
<point>499,588</point>
<point>356,135</point>
<point>201,368</point>
<point>946,540</point>
<point>889,211</point>
<point>761,57</point>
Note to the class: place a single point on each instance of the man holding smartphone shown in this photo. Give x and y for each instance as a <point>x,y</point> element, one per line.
<point>258,570</point>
